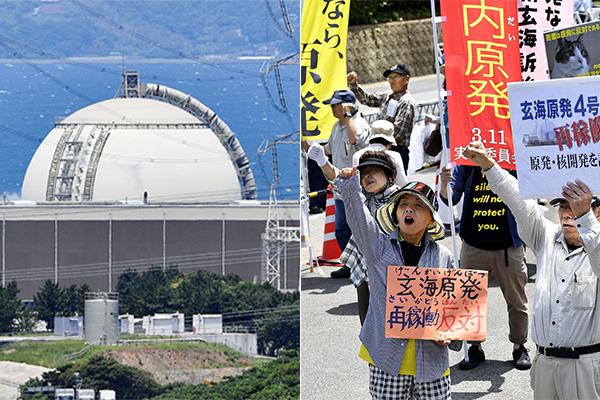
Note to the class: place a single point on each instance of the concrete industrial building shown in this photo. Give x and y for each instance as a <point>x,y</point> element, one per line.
<point>154,178</point>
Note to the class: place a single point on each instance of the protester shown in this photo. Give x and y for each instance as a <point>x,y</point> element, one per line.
<point>565,324</point>
<point>402,233</point>
<point>490,242</point>
<point>377,176</point>
<point>349,134</point>
<point>382,139</point>
<point>398,107</point>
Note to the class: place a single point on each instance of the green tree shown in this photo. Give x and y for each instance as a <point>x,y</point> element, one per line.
<point>10,306</point>
<point>26,320</point>
<point>74,299</point>
<point>49,301</point>
<point>277,380</point>
<point>102,373</point>
<point>203,292</point>
<point>366,12</point>
<point>149,292</point>
<point>277,331</point>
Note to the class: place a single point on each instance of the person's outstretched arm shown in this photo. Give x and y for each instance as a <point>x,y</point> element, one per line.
<point>316,152</point>
<point>368,99</point>
<point>531,224</point>
<point>365,230</point>
<point>457,178</point>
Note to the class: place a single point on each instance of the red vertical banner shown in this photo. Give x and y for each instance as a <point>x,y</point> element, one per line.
<point>481,48</point>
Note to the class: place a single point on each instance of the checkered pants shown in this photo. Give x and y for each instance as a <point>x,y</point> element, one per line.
<point>352,258</point>
<point>383,386</point>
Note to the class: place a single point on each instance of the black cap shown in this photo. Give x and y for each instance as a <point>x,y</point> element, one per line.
<point>398,68</point>
<point>376,162</point>
<point>559,200</point>
<point>341,96</point>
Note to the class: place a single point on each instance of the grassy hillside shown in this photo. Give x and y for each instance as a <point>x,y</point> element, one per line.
<point>56,353</point>
<point>272,380</point>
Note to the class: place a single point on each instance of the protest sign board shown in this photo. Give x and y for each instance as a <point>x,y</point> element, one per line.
<point>426,303</point>
<point>534,19</point>
<point>322,63</point>
<point>574,51</point>
<point>481,48</point>
<point>556,129</point>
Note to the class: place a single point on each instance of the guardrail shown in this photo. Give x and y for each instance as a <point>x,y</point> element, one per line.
<point>423,108</point>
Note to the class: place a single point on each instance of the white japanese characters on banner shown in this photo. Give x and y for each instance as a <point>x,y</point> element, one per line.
<point>556,134</point>
<point>534,19</point>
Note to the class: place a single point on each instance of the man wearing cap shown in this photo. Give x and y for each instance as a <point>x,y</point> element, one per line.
<point>565,323</point>
<point>382,139</point>
<point>349,134</point>
<point>398,107</point>
<point>490,241</point>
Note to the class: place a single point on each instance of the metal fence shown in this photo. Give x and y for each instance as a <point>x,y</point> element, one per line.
<point>429,107</point>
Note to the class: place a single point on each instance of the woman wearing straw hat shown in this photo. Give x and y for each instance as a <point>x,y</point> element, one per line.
<point>403,232</point>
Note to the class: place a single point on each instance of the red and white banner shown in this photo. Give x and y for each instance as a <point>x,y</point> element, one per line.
<point>481,47</point>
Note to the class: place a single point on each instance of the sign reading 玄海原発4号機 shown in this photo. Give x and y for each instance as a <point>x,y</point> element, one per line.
<point>556,134</point>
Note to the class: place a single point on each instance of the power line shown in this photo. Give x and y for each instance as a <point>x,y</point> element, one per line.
<point>144,39</point>
<point>103,269</point>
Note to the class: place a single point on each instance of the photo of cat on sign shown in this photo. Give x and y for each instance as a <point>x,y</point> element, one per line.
<point>573,51</point>
<point>571,59</point>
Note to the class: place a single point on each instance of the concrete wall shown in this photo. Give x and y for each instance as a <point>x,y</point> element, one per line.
<point>83,250</point>
<point>243,342</point>
<point>372,49</point>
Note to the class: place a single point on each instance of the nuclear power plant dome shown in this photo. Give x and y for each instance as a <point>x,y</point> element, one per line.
<point>153,140</point>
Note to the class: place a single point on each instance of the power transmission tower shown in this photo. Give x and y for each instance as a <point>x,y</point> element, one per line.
<point>267,67</point>
<point>276,237</point>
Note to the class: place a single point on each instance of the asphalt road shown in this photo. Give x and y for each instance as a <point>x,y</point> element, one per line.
<point>13,374</point>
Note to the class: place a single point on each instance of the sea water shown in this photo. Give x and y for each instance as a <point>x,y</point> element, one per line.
<point>33,94</point>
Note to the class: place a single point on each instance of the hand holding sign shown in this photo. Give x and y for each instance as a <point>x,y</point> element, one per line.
<point>443,340</point>
<point>477,153</point>
<point>579,196</point>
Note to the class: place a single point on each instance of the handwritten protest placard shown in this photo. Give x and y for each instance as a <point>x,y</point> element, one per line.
<point>556,130</point>
<point>429,303</point>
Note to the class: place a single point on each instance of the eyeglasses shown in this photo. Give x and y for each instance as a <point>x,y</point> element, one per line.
<point>396,77</point>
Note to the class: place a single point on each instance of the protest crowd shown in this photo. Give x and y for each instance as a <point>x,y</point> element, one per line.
<point>514,139</point>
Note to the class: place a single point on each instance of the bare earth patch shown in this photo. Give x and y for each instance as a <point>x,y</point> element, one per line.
<point>187,366</point>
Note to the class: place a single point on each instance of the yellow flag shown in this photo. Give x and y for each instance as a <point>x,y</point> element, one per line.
<point>322,63</point>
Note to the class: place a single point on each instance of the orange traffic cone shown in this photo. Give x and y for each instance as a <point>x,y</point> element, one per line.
<point>331,249</point>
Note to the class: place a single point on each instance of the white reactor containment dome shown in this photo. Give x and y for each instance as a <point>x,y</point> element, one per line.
<point>120,148</point>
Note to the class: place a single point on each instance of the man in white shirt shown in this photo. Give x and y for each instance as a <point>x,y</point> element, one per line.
<point>566,324</point>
